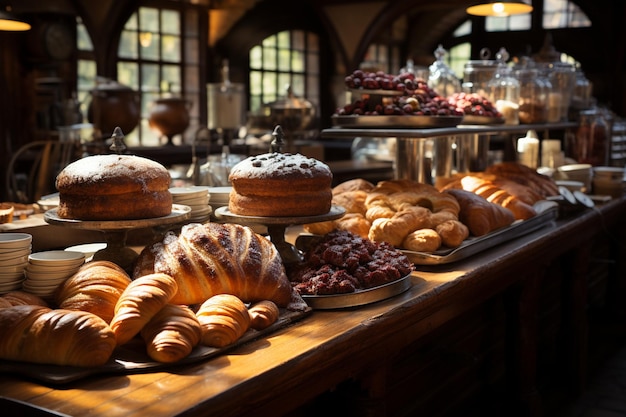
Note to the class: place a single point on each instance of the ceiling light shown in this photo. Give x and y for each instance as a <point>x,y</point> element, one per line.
<point>500,8</point>
<point>9,22</point>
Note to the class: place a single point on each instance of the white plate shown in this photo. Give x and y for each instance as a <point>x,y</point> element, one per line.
<point>58,257</point>
<point>11,276</point>
<point>15,240</point>
<point>196,191</point>
<point>51,269</point>
<point>18,260</point>
<point>88,249</point>
<point>15,253</point>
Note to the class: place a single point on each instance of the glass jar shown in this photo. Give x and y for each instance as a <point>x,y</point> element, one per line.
<point>477,73</point>
<point>581,98</point>
<point>504,90</point>
<point>533,107</point>
<point>441,78</point>
<point>562,76</point>
<point>591,144</point>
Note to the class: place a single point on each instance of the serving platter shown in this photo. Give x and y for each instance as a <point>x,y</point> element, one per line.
<point>547,212</point>
<point>359,297</point>
<point>395,121</point>
<point>131,358</point>
<point>470,119</point>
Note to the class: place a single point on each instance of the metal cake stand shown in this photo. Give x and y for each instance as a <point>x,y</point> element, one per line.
<point>276,227</point>
<point>115,231</point>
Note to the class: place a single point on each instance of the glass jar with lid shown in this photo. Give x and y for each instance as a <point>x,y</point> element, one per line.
<point>441,78</point>
<point>504,90</point>
<point>477,73</point>
<point>533,106</point>
<point>592,141</point>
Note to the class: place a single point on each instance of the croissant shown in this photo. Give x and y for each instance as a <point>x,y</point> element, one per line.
<point>354,223</point>
<point>263,314</point>
<point>495,194</point>
<point>141,300</point>
<point>422,240</point>
<point>96,287</point>
<point>524,175</point>
<point>224,319</point>
<point>39,334</point>
<point>452,233</point>
<point>396,228</point>
<point>171,334</point>
<point>16,298</point>
<point>479,215</point>
<point>214,258</point>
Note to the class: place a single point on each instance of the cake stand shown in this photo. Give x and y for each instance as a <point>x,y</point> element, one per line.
<point>276,227</point>
<point>115,232</point>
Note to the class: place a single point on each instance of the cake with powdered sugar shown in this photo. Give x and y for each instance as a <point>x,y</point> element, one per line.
<point>280,185</point>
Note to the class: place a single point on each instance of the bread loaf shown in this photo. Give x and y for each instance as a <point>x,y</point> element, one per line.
<point>171,334</point>
<point>39,334</point>
<point>224,318</point>
<point>479,215</point>
<point>214,258</point>
<point>96,287</point>
<point>139,302</point>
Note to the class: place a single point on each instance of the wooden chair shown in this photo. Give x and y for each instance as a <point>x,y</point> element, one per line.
<point>32,170</point>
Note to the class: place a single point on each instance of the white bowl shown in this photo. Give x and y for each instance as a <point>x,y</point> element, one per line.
<point>7,269</point>
<point>57,257</point>
<point>47,276</point>
<point>4,288</point>
<point>43,284</point>
<point>16,253</point>
<point>54,269</point>
<point>14,261</point>
<point>609,173</point>
<point>15,240</point>
<point>11,276</point>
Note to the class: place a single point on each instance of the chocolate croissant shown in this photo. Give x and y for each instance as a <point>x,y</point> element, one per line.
<point>139,302</point>
<point>39,334</point>
<point>214,258</point>
<point>224,319</point>
<point>171,334</point>
<point>96,287</point>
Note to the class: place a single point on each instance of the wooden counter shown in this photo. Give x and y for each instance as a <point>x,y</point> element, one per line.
<point>379,359</point>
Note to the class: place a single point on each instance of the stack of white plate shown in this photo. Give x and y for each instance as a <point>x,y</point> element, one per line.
<point>14,251</point>
<point>47,270</point>
<point>197,198</point>
<point>219,196</point>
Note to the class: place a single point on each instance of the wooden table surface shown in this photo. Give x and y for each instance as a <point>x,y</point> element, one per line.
<point>273,375</point>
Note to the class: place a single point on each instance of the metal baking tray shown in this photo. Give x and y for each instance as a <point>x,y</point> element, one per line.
<point>396,121</point>
<point>360,297</point>
<point>547,212</point>
<point>470,119</point>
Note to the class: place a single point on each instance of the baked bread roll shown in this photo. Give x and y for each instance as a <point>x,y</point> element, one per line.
<point>39,334</point>
<point>452,233</point>
<point>263,314</point>
<point>139,302</point>
<point>224,318</point>
<point>356,184</point>
<point>171,334</point>
<point>395,229</point>
<point>422,240</point>
<point>113,187</point>
<point>280,184</point>
<point>494,194</point>
<point>95,288</point>
<point>215,258</point>
<point>17,298</point>
<point>524,175</point>
<point>479,215</point>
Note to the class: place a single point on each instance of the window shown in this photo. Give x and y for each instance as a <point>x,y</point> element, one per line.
<point>158,53</point>
<point>288,58</point>
<point>157,57</point>
<point>506,23</point>
<point>562,14</point>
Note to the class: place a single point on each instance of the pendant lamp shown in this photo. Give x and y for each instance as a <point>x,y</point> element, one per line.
<point>9,22</point>
<point>500,8</point>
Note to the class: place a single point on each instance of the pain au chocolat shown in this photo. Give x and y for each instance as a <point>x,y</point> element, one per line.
<point>113,187</point>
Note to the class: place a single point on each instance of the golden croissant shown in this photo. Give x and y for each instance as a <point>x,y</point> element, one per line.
<point>96,287</point>
<point>139,302</point>
<point>171,334</point>
<point>224,319</point>
<point>39,334</point>
<point>263,314</point>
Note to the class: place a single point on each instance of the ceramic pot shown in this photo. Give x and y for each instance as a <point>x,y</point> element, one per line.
<point>114,104</point>
<point>170,116</point>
